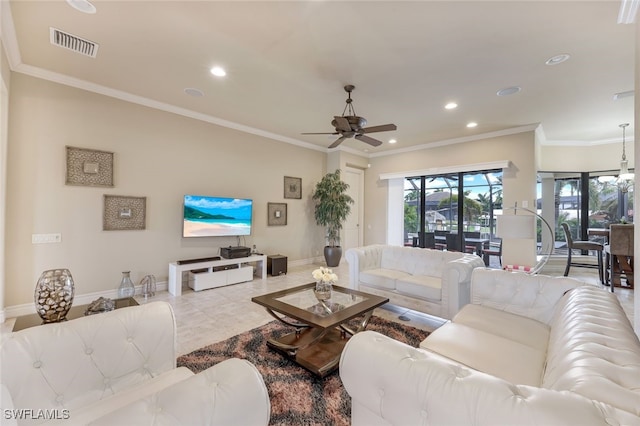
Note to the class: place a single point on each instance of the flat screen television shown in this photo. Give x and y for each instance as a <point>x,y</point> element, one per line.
<point>205,216</point>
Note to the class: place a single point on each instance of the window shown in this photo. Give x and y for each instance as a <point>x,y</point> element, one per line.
<point>433,203</point>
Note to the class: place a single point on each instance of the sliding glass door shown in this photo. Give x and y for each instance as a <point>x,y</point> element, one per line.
<point>450,203</point>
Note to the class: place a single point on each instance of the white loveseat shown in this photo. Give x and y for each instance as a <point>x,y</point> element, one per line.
<point>528,350</point>
<point>432,281</point>
<point>119,368</point>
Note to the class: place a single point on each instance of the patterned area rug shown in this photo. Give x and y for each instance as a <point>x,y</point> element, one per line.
<point>297,396</point>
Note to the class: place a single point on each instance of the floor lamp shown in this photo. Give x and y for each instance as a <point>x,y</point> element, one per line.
<point>522,226</point>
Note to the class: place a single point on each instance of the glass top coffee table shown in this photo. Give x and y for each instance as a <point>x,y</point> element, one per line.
<point>321,330</point>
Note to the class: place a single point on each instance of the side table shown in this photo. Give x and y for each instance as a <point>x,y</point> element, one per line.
<point>32,320</point>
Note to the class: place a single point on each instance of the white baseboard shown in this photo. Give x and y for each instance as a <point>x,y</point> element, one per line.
<point>82,299</point>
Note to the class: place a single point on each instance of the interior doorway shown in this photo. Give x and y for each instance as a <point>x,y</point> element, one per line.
<point>353,229</point>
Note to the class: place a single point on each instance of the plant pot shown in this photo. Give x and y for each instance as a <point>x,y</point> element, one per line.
<point>332,255</point>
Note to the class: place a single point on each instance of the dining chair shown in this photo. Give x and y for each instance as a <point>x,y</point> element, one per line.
<point>453,243</point>
<point>582,245</point>
<point>619,255</point>
<point>440,243</point>
<point>429,240</point>
<point>492,248</point>
<point>472,248</point>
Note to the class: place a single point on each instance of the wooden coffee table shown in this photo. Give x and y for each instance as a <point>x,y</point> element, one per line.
<point>321,332</point>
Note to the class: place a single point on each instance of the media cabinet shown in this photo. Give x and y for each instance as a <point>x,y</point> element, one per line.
<point>216,274</point>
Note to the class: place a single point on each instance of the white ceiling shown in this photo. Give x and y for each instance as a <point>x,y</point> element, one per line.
<point>287,63</point>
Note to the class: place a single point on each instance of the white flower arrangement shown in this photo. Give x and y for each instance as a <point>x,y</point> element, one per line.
<point>324,275</point>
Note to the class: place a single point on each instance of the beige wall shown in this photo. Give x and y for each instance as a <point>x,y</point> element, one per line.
<point>519,180</point>
<point>586,158</point>
<point>158,155</point>
<point>5,81</point>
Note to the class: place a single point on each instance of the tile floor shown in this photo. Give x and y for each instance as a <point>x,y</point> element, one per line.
<point>210,316</point>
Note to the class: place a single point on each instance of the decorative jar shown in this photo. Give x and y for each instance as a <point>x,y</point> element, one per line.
<point>126,288</point>
<point>54,295</point>
<point>148,284</point>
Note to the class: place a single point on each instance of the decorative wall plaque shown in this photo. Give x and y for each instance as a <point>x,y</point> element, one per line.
<point>122,213</point>
<point>277,214</point>
<point>292,187</point>
<point>89,167</point>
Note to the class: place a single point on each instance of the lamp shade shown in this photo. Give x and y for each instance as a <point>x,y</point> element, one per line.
<point>516,226</point>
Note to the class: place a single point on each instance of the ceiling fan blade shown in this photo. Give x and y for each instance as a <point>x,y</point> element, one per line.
<point>369,140</point>
<point>382,128</point>
<point>337,142</point>
<point>342,124</point>
<point>332,133</point>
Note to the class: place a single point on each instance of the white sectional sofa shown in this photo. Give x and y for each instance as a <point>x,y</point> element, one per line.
<point>119,368</point>
<point>528,350</point>
<point>431,281</point>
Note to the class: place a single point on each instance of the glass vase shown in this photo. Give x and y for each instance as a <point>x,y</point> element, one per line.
<point>126,288</point>
<point>54,295</point>
<point>148,284</point>
<point>323,290</point>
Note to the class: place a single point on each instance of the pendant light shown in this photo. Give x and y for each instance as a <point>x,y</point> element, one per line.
<point>625,178</point>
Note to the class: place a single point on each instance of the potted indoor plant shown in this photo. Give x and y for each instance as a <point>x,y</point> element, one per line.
<point>333,205</point>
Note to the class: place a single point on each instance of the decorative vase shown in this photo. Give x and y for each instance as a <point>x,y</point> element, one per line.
<point>148,284</point>
<point>332,255</point>
<point>54,295</point>
<point>323,290</point>
<point>126,288</point>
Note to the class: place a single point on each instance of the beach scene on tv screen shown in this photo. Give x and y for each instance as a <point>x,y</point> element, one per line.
<point>215,216</point>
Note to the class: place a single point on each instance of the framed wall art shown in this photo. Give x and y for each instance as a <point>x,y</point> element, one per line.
<point>292,187</point>
<point>89,167</point>
<point>277,214</point>
<point>123,213</point>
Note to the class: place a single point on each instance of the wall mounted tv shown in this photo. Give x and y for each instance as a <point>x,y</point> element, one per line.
<point>216,216</point>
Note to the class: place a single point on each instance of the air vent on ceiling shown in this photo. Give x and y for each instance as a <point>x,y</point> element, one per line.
<point>71,42</point>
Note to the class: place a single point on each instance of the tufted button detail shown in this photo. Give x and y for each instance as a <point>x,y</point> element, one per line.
<point>612,422</point>
<point>381,392</point>
<point>88,351</point>
<point>37,364</point>
<point>106,381</point>
<point>59,398</point>
<point>423,413</point>
<point>129,339</point>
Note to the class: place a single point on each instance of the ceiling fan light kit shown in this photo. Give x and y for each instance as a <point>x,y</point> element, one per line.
<point>350,125</point>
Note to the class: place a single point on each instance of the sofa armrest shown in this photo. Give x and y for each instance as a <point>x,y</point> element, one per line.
<point>74,363</point>
<point>532,296</point>
<point>456,283</point>
<point>396,384</point>
<point>360,259</point>
<point>231,392</point>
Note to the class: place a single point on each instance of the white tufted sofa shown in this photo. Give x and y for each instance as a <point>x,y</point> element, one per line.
<point>119,368</point>
<point>522,353</point>
<point>432,281</point>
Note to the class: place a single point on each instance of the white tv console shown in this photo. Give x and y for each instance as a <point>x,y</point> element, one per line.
<point>210,279</point>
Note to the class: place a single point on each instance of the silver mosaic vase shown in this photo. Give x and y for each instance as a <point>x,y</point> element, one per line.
<point>54,295</point>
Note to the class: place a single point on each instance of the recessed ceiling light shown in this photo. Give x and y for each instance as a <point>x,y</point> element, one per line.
<point>472,124</point>
<point>451,105</point>
<point>218,71</point>
<point>194,92</point>
<point>558,59</point>
<point>508,91</point>
<point>392,141</point>
<point>82,6</point>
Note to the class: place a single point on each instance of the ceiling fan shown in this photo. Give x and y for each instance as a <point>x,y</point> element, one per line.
<point>351,125</point>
